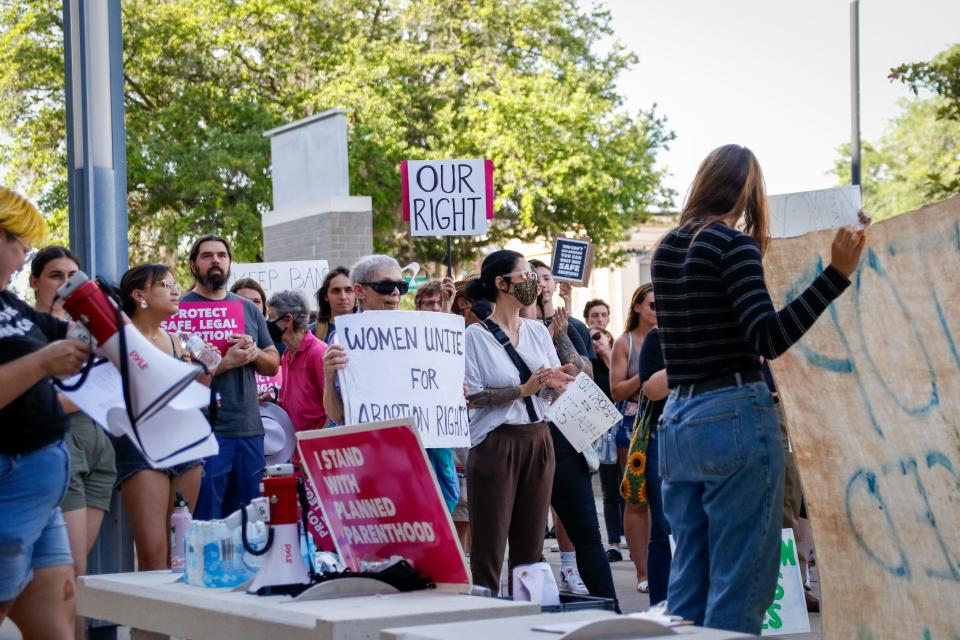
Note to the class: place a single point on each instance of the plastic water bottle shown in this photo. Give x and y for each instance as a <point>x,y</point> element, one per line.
<point>195,346</point>
<point>180,521</point>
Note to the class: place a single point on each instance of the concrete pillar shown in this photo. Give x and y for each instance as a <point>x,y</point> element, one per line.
<point>314,216</point>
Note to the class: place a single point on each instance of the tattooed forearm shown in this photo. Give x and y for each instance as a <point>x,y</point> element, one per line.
<point>567,353</point>
<point>493,397</point>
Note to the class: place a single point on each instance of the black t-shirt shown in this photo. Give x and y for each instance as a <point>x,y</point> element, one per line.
<point>651,361</point>
<point>601,375</point>
<point>34,419</point>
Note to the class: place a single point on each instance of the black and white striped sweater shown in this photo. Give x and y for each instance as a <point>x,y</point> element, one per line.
<point>713,310</point>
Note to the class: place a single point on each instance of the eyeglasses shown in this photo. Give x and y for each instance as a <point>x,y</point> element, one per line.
<point>653,306</point>
<point>386,287</point>
<point>430,303</point>
<point>28,251</point>
<point>168,285</point>
<point>525,274</point>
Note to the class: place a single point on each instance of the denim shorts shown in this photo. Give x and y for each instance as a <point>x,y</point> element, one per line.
<point>33,534</point>
<point>624,433</point>
<point>130,462</point>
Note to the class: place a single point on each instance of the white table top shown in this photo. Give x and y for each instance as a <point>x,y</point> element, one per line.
<point>154,601</point>
<point>521,628</point>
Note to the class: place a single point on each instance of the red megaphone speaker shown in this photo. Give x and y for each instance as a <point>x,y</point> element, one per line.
<point>155,378</point>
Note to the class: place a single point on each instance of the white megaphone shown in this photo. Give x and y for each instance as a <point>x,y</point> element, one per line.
<point>155,378</point>
<point>282,570</point>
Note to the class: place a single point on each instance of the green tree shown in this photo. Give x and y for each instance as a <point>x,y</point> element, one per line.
<point>940,75</point>
<point>520,83</point>
<point>915,162</point>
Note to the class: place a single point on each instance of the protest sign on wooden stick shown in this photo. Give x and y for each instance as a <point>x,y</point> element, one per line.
<point>572,260</point>
<point>872,395</point>
<point>447,197</point>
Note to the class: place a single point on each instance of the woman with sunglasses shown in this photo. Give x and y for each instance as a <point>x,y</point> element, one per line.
<point>36,567</point>
<point>511,464</point>
<point>93,470</point>
<point>150,294</point>
<point>625,387</point>
<point>378,286</point>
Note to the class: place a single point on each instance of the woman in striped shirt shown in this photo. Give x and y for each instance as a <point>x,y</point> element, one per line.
<point>720,454</point>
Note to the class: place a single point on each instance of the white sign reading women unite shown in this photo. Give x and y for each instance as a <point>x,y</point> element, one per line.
<point>402,364</point>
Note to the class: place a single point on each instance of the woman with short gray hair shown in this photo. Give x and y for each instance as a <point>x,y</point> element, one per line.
<point>301,394</point>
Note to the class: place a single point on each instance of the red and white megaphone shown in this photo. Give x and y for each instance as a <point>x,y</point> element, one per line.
<point>282,568</point>
<point>155,378</point>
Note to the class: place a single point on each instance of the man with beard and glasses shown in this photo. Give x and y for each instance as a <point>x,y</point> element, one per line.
<point>232,477</point>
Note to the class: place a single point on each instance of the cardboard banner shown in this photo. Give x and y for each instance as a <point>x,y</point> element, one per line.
<point>304,276</point>
<point>583,412</point>
<point>380,499</point>
<point>214,321</point>
<point>794,214</point>
<point>788,613</point>
<point>872,395</point>
<point>572,260</point>
<point>406,363</point>
<point>447,197</point>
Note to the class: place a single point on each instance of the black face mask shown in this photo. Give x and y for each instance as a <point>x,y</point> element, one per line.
<point>276,331</point>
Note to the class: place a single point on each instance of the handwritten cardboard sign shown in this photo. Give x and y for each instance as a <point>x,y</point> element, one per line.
<point>583,413</point>
<point>572,260</point>
<point>447,197</point>
<point>214,321</point>
<point>884,362</point>
<point>794,214</point>
<point>380,499</point>
<point>406,363</point>
<point>304,276</point>
<point>788,613</point>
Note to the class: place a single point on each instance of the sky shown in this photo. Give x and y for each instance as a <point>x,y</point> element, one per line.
<point>772,75</point>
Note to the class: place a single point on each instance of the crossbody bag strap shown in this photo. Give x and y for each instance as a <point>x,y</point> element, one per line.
<point>518,362</point>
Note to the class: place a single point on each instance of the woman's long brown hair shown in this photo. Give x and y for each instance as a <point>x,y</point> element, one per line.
<point>730,180</point>
<point>639,296</point>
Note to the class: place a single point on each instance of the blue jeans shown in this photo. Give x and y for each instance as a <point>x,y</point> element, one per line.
<point>658,550</point>
<point>722,468</point>
<point>231,479</point>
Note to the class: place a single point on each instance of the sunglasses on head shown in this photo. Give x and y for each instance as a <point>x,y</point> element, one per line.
<point>386,287</point>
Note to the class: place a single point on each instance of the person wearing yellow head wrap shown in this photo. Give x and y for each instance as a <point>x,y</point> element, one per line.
<point>36,570</point>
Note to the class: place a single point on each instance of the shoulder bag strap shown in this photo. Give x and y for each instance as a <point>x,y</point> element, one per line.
<point>518,362</point>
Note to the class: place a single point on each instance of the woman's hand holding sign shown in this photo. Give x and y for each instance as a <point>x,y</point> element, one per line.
<point>848,245</point>
<point>558,379</point>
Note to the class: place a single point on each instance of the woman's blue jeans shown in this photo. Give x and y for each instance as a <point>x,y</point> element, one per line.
<point>721,463</point>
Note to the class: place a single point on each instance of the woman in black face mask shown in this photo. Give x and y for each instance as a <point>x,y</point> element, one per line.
<point>509,360</point>
<point>302,393</point>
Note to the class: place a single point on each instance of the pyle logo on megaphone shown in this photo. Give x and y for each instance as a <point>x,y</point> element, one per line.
<point>155,377</point>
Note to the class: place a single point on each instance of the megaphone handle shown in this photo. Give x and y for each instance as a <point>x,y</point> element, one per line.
<point>243,535</point>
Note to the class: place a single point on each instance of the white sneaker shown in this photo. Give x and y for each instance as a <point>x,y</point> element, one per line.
<point>570,582</point>
<point>555,547</point>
